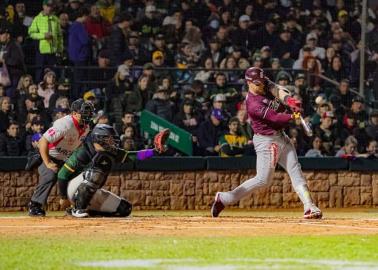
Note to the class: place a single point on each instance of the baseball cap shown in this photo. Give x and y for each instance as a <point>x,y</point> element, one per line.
<point>300,76</point>
<point>88,95</point>
<point>150,8</point>
<point>157,54</point>
<point>342,13</point>
<point>311,36</point>
<point>374,113</point>
<point>219,98</point>
<point>133,34</point>
<point>48,2</point>
<point>148,66</point>
<point>328,114</point>
<point>159,36</point>
<point>244,18</point>
<point>265,48</point>
<point>217,114</point>
<point>357,99</point>
<point>123,70</point>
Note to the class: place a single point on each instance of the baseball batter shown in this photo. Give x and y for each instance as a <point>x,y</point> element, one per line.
<point>55,146</point>
<point>269,118</point>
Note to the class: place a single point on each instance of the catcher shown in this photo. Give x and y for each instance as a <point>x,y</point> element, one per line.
<point>96,157</point>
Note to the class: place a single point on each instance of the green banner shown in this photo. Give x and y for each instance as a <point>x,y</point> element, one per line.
<point>180,139</point>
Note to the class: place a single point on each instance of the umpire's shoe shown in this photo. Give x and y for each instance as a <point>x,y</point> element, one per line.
<point>79,213</point>
<point>36,210</point>
<point>217,206</point>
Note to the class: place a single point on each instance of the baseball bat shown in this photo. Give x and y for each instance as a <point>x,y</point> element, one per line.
<point>306,127</point>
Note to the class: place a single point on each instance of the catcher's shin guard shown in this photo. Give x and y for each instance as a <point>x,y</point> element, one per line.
<point>93,180</point>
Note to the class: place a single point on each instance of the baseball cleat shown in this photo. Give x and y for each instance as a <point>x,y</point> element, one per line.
<point>217,206</point>
<point>79,213</point>
<point>36,210</point>
<point>313,213</point>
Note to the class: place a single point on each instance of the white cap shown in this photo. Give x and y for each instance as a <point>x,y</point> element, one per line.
<point>244,18</point>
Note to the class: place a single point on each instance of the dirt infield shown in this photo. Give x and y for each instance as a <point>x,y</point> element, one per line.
<point>199,225</point>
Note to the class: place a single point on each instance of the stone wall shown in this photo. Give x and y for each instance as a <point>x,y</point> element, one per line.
<point>196,190</point>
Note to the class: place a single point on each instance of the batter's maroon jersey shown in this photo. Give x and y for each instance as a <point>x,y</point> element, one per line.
<point>267,113</point>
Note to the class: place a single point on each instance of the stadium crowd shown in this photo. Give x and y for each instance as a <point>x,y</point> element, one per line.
<point>184,61</point>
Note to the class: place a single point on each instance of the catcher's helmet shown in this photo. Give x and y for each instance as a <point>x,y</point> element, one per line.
<point>106,136</point>
<point>85,108</point>
<point>255,75</point>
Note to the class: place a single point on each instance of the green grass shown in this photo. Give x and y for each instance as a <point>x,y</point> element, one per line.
<point>62,252</point>
<point>65,253</point>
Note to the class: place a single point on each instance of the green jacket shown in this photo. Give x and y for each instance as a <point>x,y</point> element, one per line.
<point>43,24</point>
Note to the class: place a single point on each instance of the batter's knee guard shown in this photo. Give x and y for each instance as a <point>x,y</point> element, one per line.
<point>124,208</point>
<point>94,179</point>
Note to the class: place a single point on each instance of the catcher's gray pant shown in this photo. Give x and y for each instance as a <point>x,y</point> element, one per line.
<point>271,150</point>
<point>102,201</point>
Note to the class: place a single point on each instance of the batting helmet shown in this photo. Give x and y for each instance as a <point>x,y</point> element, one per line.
<point>255,75</point>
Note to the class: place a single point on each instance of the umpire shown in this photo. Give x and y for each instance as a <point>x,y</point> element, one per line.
<point>55,146</point>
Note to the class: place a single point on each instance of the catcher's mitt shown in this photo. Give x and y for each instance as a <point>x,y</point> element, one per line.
<point>160,139</point>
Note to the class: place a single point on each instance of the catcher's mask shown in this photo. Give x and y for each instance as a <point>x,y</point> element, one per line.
<point>106,136</point>
<point>84,108</point>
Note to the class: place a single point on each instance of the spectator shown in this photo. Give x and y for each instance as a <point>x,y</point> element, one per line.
<point>221,87</point>
<point>206,74</point>
<point>73,9</point>
<point>21,93</point>
<point>65,25</point>
<point>372,127</point>
<point>311,42</point>
<point>233,144</point>
<point>285,48</point>
<point>107,9</point>
<point>349,150</point>
<point>60,113</point>
<point>343,96</point>
<point>6,113</point>
<point>245,127</point>
<point>79,47</point>
<point>140,55</point>
<point>149,25</point>
<point>209,133</point>
<point>37,127</point>
<point>33,100</point>
<point>130,140</point>
<point>242,36</point>
<point>215,51</point>
<point>316,150</point>
<point>358,113</point>
<point>193,38</point>
<point>371,150</point>
<point>128,119</point>
<point>21,22</point>
<point>11,57</point>
<point>159,44</point>
<point>46,30</point>
<point>187,118</point>
<point>311,65</point>
<point>11,144</point>
<point>158,60</point>
<point>47,87</point>
<point>229,63</point>
<point>266,35</point>
<point>117,40</point>
<point>327,133</point>
<point>97,28</point>
<point>336,70</point>
<point>161,105</point>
